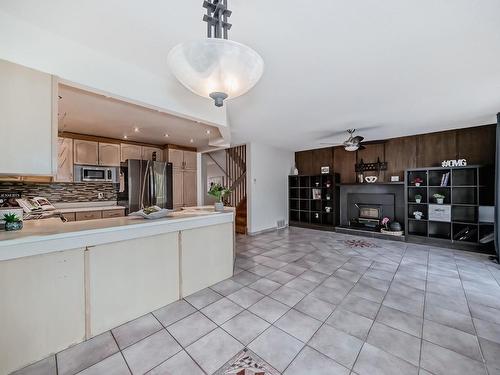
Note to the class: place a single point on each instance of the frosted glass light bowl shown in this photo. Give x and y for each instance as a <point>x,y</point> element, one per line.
<point>214,65</point>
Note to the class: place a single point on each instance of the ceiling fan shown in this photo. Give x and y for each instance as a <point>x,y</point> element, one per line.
<point>353,143</point>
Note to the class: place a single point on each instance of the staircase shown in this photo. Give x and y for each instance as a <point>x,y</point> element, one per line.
<point>236,180</point>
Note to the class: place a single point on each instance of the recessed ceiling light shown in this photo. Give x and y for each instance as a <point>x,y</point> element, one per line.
<point>208,131</point>
<point>125,137</point>
<point>136,129</point>
<point>191,140</point>
<point>166,135</point>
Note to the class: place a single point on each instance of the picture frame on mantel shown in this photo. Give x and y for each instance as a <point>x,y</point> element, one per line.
<point>325,170</point>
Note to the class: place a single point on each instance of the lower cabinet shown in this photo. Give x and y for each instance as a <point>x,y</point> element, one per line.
<point>200,269</point>
<point>87,215</point>
<point>42,307</point>
<point>131,278</point>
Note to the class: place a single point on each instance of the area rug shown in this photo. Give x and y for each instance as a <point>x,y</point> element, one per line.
<point>359,243</point>
<point>246,362</point>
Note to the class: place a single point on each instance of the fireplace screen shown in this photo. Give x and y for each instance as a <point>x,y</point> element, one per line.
<point>369,212</point>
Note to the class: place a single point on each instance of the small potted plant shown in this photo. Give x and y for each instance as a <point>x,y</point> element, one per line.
<point>439,198</point>
<point>219,192</point>
<point>418,198</point>
<point>418,215</point>
<point>417,181</point>
<point>12,222</point>
<point>385,221</point>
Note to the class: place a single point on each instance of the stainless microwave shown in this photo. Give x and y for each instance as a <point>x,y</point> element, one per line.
<point>90,173</point>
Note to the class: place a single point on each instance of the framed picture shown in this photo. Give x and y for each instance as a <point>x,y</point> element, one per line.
<point>214,181</point>
<point>316,193</point>
<point>325,170</point>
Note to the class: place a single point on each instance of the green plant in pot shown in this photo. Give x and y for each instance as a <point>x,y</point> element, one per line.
<point>418,198</point>
<point>439,198</point>
<point>12,222</point>
<point>219,192</point>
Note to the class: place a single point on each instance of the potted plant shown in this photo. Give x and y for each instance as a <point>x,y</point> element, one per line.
<point>417,181</point>
<point>12,222</point>
<point>439,198</point>
<point>418,198</point>
<point>418,215</point>
<point>385,221</point>
<point>219,192</point>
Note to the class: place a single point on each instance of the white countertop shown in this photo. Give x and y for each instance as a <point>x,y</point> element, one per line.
<point>50,235</point>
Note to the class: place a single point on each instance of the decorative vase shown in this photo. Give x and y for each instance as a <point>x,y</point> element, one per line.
<point>417,183</point>
<point>328,209</point>
<point>219,207</point>
<point>16,225</point>
<point>395,226</point>
<point>440,200</point>
<point>295,171</point>
<point>417,216</point>
<point>418,200</point>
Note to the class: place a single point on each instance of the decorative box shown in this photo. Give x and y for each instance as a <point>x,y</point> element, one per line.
<point>440,212</point>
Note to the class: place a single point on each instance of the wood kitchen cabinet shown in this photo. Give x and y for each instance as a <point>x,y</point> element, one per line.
<point>109,154</point>
<point>184,177</point>
<point>86,152</point>
<point>28,108</point>
<point>64,160</point>
<point>129,151</point>
<point>147,153</point>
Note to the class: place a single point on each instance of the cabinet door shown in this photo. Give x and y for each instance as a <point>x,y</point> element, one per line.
<point>64,160</point>
<point>109,154</point>
<point>178,183</point>
<point>85,152</point>
<point>130,152</point>
<point>189,160</point>
<point>190,188</point>
<point>176,157</point>
<point>28,121</point>
<point>147,153</point>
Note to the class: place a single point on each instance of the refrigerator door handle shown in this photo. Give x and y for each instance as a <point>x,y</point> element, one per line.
<point>152,190</point>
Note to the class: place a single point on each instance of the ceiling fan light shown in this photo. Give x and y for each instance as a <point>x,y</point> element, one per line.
<point>351,147</point>
<point>216,67</point>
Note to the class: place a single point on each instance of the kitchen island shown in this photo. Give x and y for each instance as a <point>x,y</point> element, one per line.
<point>62,283</point>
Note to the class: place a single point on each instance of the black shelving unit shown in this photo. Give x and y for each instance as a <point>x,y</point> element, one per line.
<point>466,189</point>
<point>309,199</point>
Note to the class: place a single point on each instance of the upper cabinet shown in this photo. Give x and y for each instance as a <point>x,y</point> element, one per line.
<point>182,159</point>
<point>129,151</point>
<point>64,160</point>
<point>176,157</point>
<point>189,160</point>
<point>147,153</point>
<point>109,154</point>
<point>86,152</point>
<point>28,121</point>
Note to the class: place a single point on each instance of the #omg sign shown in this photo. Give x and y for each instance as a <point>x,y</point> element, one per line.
<point>454,163</point>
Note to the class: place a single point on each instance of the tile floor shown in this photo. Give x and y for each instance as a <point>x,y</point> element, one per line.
<point>308,303</point>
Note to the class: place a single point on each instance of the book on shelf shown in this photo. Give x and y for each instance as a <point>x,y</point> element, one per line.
<point>444,179</point>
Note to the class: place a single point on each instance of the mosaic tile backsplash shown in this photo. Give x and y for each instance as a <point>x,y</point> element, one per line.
<point>63,191</point>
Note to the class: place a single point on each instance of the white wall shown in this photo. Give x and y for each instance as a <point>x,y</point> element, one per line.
<point>268,169</point>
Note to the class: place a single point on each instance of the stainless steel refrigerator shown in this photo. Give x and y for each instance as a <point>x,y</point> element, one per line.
<point>145,183</point>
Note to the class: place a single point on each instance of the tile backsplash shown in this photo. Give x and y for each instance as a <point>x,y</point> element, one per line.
<point>63,191</point>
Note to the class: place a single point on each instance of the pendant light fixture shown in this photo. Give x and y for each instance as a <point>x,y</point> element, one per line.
<point>216,67</point>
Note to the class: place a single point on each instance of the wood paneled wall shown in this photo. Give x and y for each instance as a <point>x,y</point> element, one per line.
<point>476,144</point>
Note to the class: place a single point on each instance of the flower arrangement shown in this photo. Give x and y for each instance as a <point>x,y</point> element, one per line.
<point>417,181</point>
<point>12,222</point>
<point>219,192</point>
<point>439,198</point>
<point>418,214</point>
<point>418,198</point>
<point>385,221</point>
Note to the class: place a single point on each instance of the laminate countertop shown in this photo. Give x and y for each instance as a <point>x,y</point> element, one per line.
<point>50,235</point>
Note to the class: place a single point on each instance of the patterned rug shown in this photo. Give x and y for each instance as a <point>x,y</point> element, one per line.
<point>246,362</point>
<point>359,243</point>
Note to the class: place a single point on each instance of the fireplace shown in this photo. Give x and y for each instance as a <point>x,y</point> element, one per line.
<point>369,215</point>
<point>365,210</point>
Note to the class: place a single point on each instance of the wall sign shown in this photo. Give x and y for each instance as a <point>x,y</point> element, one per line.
<point>454,163</point>
<point>325,170</point>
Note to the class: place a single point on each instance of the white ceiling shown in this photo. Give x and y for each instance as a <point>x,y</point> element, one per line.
<point>84,112</point>
<point>394,67</point>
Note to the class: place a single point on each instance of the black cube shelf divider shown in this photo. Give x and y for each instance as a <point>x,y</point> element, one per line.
<point>464,190</point>
<point>314,201</point>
